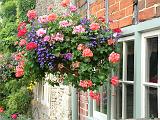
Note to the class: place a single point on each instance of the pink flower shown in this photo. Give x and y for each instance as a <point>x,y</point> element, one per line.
<point>14,116</point>
<point>21,63</point>
<point>31,46</point>
<point>19,71</point>
<point>64,23</point>
<point>46,38</point>
<point>50,7</point>
<point>94,26</point>
<point>1,109</point>
<point>94,95</point>
<point>18,56</point>
<point>57,37</point>
<point>65,3</point>
<point>52,17</point>
<point>16,43</point>
<point>114,57</point>
<point>102,19</point>
<point>66,14</point>
<point>87,53</point>
<point>111,41</point>
<point>43,19</point>
<point>85,83</point>
<point>78,29</point>
<point>32,14</point>
<point>41,32</point>
<point>22,42</point>
<point>114,81</point>
<point>72,8</point>
<point>81,47</point>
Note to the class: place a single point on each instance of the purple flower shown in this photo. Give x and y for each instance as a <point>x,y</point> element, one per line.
<point>85,21</point>
<point>68,56</point>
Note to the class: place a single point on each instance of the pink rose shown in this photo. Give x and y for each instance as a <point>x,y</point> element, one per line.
<point>78,29</point>
<point>14,116</point>
<point>72,8</point>
<point>18,56</point>
<point>114,57</point>
<point>114,81</point>
<point>22,42</point>
<point>41,32</point>
<point>87,53</point>
<point>94,26</point>
<point>32,14</point>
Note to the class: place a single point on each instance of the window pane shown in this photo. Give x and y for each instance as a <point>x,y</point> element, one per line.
<point>152,60</point>
<point>119,101</point>
<point>129,106</point>
<point>130,61</point>
<point>120,46</point>
<point>151,103</point>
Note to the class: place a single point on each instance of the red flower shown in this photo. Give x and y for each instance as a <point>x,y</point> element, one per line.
<point>32,14</point>
<point>1,109</point>
<point>111,41</point>
<point>95,96</point>
<point>85,83</point>
<point>114,81</point>
<point>31,46</point>
<point>19,71</point>
<point>18,56</point>
<point>102,19</point>
<point>87,53</point>
<point>52,17</point>
<point>21,26</point>
<point>22,42</point>
<point>114,57</point>
<point>65,3</point>
<point>22,32</point>
<point>117,30</point>
<point>94,26</point>
<point>14,116</point>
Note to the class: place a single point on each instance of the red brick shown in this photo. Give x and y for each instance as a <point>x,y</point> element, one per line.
<point>114,25</point>
<point>125,22</point>
<point>129,10</point>
<point>111,2</point>
<point>151,2</point>
<point>118,15</point>
<point>114,8</point>
<point>141,4</point>
<point>101,13</point>
<point>125,3</point>
<point>158,11</point>
<point>146,14</point>
<point>81,3</point>
<point>102,5</point>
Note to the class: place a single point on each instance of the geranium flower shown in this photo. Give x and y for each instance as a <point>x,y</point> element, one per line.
<point>65,3</point>
<point>31,14</point>
<point>57,37</point>
<point>117,30</point>
<point>19,71</point>
<point>114,57</point>
<point>1,109</point>
<point>41,32</point>
<point>111,41</point>
<point>95,96</point>
<point>52,17</point>
<point>114,81</point>
<point>50,7</point>
<point>81,47</point>
<point>85,83</point>
<point>87,53</point>
<point>78,29</point>
<point>46,38</point>
<point>31,46</point>
<point>43,19</point>
<point>18,56</point>
<point>22,32</point>
<point>72,8</point>
<point>21,25</point>
<point>14,116</point>
<point>94,26</point>
<point>22,42</point>
<point>64,23</point>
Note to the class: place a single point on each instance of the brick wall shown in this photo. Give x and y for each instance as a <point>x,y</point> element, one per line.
<point>83,105</point>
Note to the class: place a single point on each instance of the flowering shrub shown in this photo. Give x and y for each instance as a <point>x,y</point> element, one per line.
<point>82,51</point>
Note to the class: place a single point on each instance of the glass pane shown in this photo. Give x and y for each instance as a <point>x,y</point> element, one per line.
<point>120,46</point>
<point>130,61</point>
<point>151,103</point>
<point>119,102</point>
<point>129,106</point>
<point>152,60</point>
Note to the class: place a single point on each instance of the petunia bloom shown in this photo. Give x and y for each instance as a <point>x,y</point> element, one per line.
<point>114,57</point>
<point>41,32</point>
<point>68,56</point>
<point>78,29</point>
<point>114,81</point>
<point>87,53</point>
<point>31,14</point>
<point>57,37</point>
<point>31,46</point>
<point>94,26</point>
<point>46,38</point>
<point>22,42</point>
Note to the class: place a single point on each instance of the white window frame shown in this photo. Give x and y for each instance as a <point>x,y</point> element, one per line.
<point>144,38</point>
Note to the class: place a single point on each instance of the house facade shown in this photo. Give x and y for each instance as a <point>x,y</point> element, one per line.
<point>138,94</point>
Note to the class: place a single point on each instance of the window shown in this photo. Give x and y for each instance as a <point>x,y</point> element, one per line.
<point>151,74</point>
